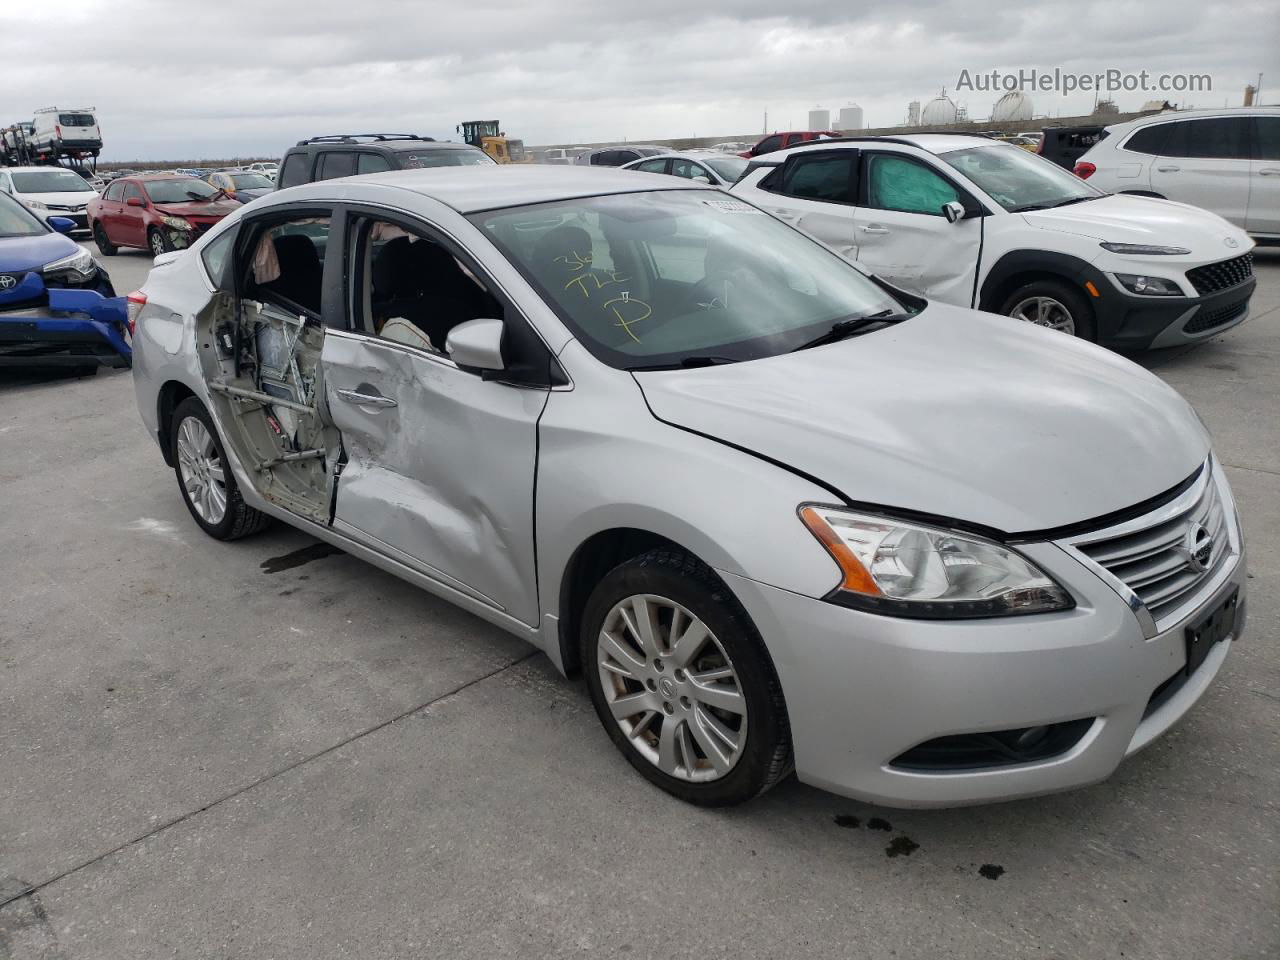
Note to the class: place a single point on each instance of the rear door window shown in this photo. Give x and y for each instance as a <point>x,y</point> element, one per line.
<point>906,185</point>
<point>294,170</point>
<point>1223,138</point>
<point>1266,138</point>
<point>372,163</point>
<point>769,144</point>
<point>287,264</point>
<point>652,166</point>
<point>831,178</point>
<point>338,163</point>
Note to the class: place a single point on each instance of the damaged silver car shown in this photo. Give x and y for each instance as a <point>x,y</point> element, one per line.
<point>779,514</point>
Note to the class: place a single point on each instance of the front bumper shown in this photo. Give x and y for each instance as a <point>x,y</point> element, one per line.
<point>76,328</point>
<point>863,689</point>
<point>1129,322</point>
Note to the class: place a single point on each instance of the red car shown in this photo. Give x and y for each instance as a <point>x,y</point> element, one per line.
<point>790,138</point>
<point>157,213</point>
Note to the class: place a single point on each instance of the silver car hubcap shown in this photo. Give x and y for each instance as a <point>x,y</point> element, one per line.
<point>1045,312</point>
<point>671,688</point>
<point>201,468</point>
<point>157,244</point>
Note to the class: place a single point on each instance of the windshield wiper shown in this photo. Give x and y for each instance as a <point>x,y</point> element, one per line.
<point>851,325</point>
<point>1049,206</point>
<point>1071,200</point>
<point>684,363</point>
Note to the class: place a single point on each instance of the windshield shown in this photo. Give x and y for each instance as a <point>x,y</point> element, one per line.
<point>49,181</point>
<point>1019,180</point>
<point>655,279</point>
<point>178,190</point>
<point>727,168</point>
<point>250,181</point>
<point>447,158</point>
<point>15,221</point>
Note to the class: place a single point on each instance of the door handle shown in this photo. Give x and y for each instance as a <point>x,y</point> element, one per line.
<point>1270,171</point>
<point>873,228</point>
<point>366,399</point>
<point>786,215</point>
<point>1169,168</point>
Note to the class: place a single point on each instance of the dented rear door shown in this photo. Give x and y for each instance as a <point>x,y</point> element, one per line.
<point>439,470</point>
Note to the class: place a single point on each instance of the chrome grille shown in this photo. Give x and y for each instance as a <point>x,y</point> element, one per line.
<point>1165,557</point>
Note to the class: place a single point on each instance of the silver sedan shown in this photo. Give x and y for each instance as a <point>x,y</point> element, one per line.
<point>704,166</point>
<point>779,514</point>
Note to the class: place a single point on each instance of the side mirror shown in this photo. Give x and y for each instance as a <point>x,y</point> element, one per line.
<point>953,211</point>
<point>476,345</point>
<point>62,224</point>
<point>701,179</point>
<point>135,202</point>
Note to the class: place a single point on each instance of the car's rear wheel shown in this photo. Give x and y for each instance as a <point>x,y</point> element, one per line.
<point>1053,304</point>
<point>105,246</point>
<point>682,682</point>
<point>157,242</point>
<point>206,481</point>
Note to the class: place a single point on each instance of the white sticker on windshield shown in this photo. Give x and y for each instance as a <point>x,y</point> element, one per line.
<point>732,206</point>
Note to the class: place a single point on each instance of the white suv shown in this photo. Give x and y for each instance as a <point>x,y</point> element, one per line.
<point>1227,161</point>
<point>975,222</point>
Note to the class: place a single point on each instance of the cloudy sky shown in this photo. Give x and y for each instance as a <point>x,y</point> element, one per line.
<point>240,78</point>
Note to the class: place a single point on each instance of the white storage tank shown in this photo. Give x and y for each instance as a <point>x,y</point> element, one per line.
<point>940,110</point>
<point>851,117</point>
<point>1012,106</point>
<point>819,119</point>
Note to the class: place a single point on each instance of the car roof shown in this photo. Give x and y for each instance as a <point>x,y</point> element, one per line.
<point>689,154</point>
<point>929,142</point>
<point>162,176</point>
<point>470,189</point>
<point>1165,115</point>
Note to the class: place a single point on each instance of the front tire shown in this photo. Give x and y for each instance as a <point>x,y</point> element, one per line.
<point>208,486</point>
<point>105,246</point>
<point>1054,304</point>
<point>682,682</point>
<point>157,243</point>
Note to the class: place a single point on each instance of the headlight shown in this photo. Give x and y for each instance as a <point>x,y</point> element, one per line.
<point>1145,249</point>
<point>909,570</point>
<point>36,205</point>
<point>1149,286</point>
<point>80,263</point>
<point>178,223</point>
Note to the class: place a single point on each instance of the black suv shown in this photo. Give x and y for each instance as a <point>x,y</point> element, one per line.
<point>348,154</point>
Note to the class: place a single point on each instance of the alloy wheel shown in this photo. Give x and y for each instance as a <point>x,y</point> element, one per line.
<point>1045,312</point>
<point>671,688</point>
<point>202,472</point>
<point>157,243</point>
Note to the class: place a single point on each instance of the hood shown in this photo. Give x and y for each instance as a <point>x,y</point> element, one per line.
<point>218,208</point>
<point>1121,218</point>
<point>19,254</point>
<point>955,413</point>
<point>73,198</point>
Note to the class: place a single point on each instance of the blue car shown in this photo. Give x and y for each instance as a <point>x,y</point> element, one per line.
<point>57,305</point>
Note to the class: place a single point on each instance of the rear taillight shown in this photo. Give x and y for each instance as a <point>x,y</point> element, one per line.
<point>1084,169</point>
<point>137,300</point>
<point>58,128</point>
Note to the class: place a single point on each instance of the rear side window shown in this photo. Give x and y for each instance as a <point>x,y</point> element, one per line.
<point>1149,140</point>
<point>907,186</point>
<point>768,144</point>
<point>831,178</point>
<point>336,164</point>
<point>652,166</point>
<point>294,170</point>
<point>1266,138</point>
<point>287,263</point>
<point>216,257</point>
<point>372,163</point>
<point>1223,138</point>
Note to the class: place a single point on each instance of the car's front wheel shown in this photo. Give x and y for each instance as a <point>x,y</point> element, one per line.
<point>157,242</point>
<point>682,682</point>
<point>105,246</point>
<point>1053,304</point>
<point>205,479</point>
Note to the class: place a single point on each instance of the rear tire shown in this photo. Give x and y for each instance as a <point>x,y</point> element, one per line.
<point>707,720</point>
<point>1053,300</point>
<point>105,246</point>
<point>208,486</point>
